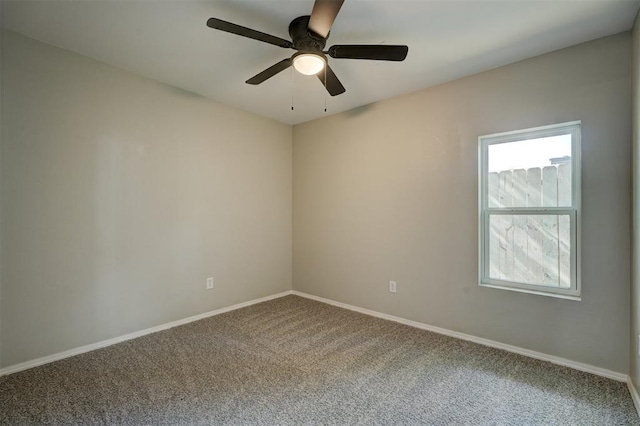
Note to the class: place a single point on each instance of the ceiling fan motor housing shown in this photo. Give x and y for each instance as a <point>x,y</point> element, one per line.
<point>303,38</point>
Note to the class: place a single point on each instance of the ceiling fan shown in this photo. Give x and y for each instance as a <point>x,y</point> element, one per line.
<point>309,35</point>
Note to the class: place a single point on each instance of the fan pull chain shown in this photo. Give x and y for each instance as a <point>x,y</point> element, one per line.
<point>325,86</point>
<point>293,78</point>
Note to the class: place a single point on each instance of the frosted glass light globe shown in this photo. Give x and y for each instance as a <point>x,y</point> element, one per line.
<point>308,63</point>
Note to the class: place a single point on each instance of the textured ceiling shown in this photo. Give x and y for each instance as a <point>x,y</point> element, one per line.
<point>170,42</point>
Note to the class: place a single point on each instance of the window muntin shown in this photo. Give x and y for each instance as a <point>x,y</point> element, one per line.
<point>529,210</point>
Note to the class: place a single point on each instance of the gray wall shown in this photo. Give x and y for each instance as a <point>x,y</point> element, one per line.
<point>121,195</point>
<point>389,192</point>
<point>635,279</point>
<point>1,43</point>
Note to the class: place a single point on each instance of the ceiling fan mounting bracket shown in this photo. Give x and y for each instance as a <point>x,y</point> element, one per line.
<point>303,38</point>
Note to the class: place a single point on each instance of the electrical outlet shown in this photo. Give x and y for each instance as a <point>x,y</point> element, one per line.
<point>209,283</point>
<point>392,286</point>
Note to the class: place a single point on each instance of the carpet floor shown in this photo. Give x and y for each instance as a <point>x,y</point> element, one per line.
<point>296,361</point>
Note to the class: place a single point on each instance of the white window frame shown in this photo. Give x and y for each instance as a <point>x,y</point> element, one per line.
<point>574,129</point>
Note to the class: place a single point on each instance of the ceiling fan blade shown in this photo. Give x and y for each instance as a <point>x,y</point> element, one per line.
<point>369,51</point>
<point>332,84</point>
<point>221,25</point>
<point>322,16</point>
<point>270,72</point>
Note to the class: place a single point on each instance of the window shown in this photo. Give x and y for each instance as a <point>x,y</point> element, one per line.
<point>529,202</point>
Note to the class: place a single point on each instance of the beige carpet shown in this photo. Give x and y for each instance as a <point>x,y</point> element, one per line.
<point>296,361</point>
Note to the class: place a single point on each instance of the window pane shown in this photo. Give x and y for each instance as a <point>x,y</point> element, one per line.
<point>530,173</point>
<point>530,249</point>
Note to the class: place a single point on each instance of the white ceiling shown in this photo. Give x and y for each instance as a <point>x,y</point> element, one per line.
<point>168,40</point>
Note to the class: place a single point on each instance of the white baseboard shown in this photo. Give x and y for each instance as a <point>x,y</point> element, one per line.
<point>77,351</point>
<point>515,349</point>
<point>621,377</point>
<point>634,394</point>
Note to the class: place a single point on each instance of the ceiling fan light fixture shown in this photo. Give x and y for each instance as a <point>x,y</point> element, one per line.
<point>308,63</point>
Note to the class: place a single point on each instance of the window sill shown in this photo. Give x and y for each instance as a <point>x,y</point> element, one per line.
<point>577,297</point>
